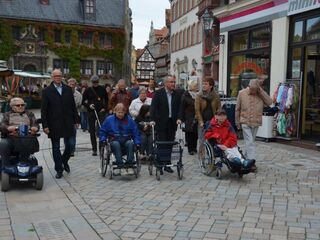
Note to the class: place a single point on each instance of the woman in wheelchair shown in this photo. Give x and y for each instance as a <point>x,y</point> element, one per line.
<point>222,136</point>
<point>15,126</point>
<point>122,133</point>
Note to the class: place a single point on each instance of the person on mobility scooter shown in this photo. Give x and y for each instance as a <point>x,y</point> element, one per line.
<point>18,131</point>
<point>122,133</point>
<point>223,139</point>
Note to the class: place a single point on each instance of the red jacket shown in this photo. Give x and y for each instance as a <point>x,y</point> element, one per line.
<point>224,133</point>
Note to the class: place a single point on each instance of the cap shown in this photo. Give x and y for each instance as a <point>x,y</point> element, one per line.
<point>94,78</point>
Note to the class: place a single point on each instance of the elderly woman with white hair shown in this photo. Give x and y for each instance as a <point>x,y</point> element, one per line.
<point>249,108</point>
<point>11,121</point>
<point>187,115</point>
<point>136,104</point>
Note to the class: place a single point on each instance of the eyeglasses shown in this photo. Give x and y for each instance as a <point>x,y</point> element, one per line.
<point>19,105</point>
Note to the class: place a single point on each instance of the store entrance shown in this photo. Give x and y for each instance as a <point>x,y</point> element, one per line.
<point>311,95</point>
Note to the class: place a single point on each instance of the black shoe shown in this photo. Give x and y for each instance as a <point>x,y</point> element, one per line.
<point>66,167</point>
<point>168,169</point>
<point>59,175</point>
<point>191,153</point>
<point>72,154</point>
<point>94,153</point>
<point>161,171</point>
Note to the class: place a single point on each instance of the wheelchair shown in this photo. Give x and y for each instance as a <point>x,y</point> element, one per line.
<point>212,158</point>
<point>109,166</point>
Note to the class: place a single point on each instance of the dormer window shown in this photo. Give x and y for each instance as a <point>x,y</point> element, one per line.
<point>44,2</point>
<point>89,6</point>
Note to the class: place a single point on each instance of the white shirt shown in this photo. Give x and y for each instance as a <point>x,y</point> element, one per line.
<point>136,104</point>
<point>169,97</point>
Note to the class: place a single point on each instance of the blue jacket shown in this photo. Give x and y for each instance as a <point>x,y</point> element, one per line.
<point>115,129</point>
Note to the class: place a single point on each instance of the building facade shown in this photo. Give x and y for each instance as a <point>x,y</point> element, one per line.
<point>81,37</point>
<point>185,41</point>
<point>145,66</point>
<point>280,41</point>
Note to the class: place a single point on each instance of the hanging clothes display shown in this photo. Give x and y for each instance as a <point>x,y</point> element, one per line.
<point>284,97</point>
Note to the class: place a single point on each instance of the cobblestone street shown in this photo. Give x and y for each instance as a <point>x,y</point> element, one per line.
<point>280,201</point>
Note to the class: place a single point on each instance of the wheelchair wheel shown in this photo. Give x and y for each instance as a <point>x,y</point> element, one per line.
<point>206,159</point>
<point>110,172</point>
<point>5,182</point>
<point>150,165</point>
<point>138,165</point>
<point>104,159</point>
<point>39,181</point>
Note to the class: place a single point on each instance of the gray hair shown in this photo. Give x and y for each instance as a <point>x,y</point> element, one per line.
<point>191,84</point>
<point>142,90</point>
<point>167,78</point>
<point>16,100</point>
<point>94,78</point>
<point>72,80</point>
<point>254,83</point>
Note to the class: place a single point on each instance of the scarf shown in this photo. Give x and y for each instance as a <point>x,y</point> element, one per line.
<point>193,94</point>
<point>207,95</point>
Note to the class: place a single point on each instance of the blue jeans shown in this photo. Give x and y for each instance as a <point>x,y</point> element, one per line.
<point>117,148</point>
<point>59,158</point>
<point>72,141</point>
<point>84,120</point>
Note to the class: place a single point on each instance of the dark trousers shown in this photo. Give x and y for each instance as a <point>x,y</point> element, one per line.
<point>59,159</point>
<point>191,139</point>
<point>84,120</point>
<point>146,144</point>
<point>94,128</point>
<point>72,141</point>
<point>167,134</point>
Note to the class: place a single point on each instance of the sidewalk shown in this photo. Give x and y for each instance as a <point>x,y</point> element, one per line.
<point>280,201</point>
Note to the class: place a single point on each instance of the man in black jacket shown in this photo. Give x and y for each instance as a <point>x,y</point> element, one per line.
<point>59,117</point>
<point>95,98</point>
<point>164,111</point>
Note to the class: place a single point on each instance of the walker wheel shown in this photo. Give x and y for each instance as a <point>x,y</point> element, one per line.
<point>158,174</point>
<point>110,172</point>
<point>219,173</point>
<point>5,182</point>
<point>150,168</point>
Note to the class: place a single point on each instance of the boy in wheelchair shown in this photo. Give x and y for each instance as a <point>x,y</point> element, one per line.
<point>223,138</point>
<point>18,129</point>
<point>122,133</point>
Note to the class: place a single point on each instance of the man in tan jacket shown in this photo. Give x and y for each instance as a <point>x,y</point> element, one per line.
<point>249,109</point>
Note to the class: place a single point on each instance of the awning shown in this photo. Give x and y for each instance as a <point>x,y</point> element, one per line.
<point>31,74</point>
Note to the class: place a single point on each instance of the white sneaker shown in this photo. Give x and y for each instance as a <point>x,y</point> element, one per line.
<point>317,144</point>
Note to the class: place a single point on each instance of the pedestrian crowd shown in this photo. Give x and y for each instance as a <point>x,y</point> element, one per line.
<point>121,114</point>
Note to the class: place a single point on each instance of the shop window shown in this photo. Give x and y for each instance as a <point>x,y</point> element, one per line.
<point>298,31</point>
<point>85,38</point>
<point>313,28</point>
<point>105,40</point>
<point>240,41</point>
<point>86,67</point>
<point>42,34</point>
<point>260,38</point>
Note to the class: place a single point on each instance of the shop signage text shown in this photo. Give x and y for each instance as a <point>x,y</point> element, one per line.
<point>298,6</point>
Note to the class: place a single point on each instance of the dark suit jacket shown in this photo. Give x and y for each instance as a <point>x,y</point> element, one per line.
<point>160,110</point>
<point>58,112</point>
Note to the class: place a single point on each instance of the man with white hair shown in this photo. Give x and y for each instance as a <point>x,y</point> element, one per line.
<point>249,108</point>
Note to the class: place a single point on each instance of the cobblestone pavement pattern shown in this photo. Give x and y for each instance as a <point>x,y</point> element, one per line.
<point>280,201</point>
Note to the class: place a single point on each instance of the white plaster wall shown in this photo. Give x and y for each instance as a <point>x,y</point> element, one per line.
<point>279,52</point>
<point>192,52</point>
<point>223,64</point>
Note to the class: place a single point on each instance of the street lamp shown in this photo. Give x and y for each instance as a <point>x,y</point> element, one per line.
<point>207,21</point>
<point>209,25</point>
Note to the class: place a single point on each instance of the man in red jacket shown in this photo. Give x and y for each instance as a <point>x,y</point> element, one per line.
<point>222,132</point>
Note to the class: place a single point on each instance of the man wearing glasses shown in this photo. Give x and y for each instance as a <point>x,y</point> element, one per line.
<point>10,123</point>
<point>164,112</point>
<point>59,118</point>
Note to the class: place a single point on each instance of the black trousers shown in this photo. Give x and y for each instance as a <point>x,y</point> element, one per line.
<point>192,139</point>
<point>167,134</point>
<point>94,127</point>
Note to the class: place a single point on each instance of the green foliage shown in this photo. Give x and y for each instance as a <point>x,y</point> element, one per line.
<point>73,52</point>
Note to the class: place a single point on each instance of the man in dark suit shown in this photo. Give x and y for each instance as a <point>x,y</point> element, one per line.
<point>164,111</point>
<point>59,117</point>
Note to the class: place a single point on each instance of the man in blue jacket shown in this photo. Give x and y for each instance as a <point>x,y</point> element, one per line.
<point>120,130</point>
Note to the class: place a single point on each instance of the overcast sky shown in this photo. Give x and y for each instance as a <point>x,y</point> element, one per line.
<point>143,12</point>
